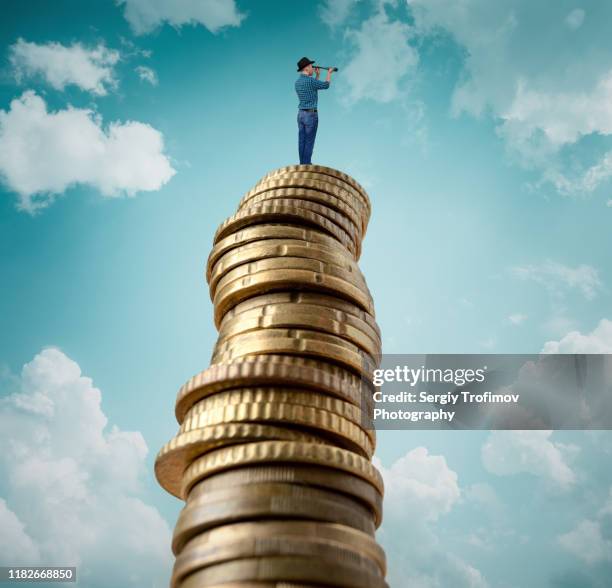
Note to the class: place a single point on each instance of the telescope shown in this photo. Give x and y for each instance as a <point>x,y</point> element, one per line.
<point>324,67</point>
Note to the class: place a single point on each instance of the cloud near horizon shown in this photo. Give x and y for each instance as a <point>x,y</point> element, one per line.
<point>420,488</point>
<point>71,486</point>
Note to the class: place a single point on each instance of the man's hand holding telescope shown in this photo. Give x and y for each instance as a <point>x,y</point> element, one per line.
<point>318,69</point>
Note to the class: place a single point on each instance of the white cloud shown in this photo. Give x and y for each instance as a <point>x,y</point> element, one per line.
<point>43,153</point>
<point>556,277</point>
<point>335,12</point>
<point>147,74</point>
<point>91,69</point>
<point>383,58</point>
<point>587,182</point>
<point>599,340</point>
<point>424,480</point>
<point>72,486</point>
<point>546,92</point>
<point>419,489</point>
<point>507,453</point>
<point>587,543</point>
<point>607,507</point>
<point>16,546</point>
<point>517,318</point>
<point>563,116</point>
<point>575,18</point>
<point>145,16</point>
<point>483,495</point>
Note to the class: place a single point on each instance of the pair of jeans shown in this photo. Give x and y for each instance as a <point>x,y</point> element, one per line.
<point>307,131</point>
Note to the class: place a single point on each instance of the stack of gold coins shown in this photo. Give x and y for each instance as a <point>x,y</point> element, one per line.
<point>273,454</point>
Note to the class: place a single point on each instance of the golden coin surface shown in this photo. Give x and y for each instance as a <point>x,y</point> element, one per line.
<point>295,263</point>
<point>273,370</point>
<point>267,213</point>
<point>336,217</point>
<point>313,419</point>
<point>299,342</point>
<point>282,279</point>
<point>338,203</point>
<point>307,475</point>
<point>345,181</point>
<point>284,395</point>
<point>299,317</point>
<point>280,248</point>
<point>344,222</point>
<point>321,169</point>
<point>276,501</point>
<point>194,557</point>
<point>315,314</point>
<point>311,181</point>
<point>300,569</point>
<point>263,232</point>
<point>341,534</point>
<point>269,452</point>
<point>349,207</point>
<point>180,451</point>
<point>276,489</point>
<point>307,299</point>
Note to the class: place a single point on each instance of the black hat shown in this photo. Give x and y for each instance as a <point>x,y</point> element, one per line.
<point>302,63</point>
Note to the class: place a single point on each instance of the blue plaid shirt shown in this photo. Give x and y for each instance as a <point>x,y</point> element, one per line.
<point>306,88</point>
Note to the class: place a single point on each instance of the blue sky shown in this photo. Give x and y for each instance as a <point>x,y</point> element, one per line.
<point>129,130</point>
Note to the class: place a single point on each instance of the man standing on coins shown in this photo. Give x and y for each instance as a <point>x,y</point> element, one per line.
<point>306,88</point>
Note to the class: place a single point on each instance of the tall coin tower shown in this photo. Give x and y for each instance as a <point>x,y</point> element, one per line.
<point>273,453</point>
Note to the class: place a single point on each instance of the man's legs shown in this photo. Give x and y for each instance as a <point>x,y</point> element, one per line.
<point>311,122</point>
<point>301,134</point>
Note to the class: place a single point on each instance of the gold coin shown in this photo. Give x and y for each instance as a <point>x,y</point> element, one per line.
<point>298,317</point>
<point>306,475</point>
<point>269,213</point>
<point>320,182</point>
<point>272,501</point>
<point>272,369</point>
<point>307,530</point>
<point>180,451</point>
<point>341,203</point>
<point>339,219</point>
<point>280,248</point>
<point>277,489</point>
<point>265,232</point>
<point>256,308</point>
<point>294,263</point>
<point>283,395</point>
<point>285,569</point>
<point>311,299</point>
<point>298,342</point>
<point>196,557</point>
<point>321,169</point>
<point>349,434</point>
<point>280,452</point>
<point>312,181</point>
<point>283,279</point>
